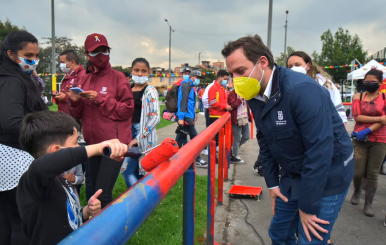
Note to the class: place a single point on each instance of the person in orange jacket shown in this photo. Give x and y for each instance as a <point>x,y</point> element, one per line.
<point>218,98</point>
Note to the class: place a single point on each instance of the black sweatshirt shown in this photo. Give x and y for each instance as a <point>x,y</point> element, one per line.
<point>13,108</point>
<point>48,206</point>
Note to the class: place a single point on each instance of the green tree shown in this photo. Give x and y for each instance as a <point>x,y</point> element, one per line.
<point>209,76</point>
<point>61,44</point>
<point>339,50</point>
<point>121,69</point>
<point>6,27</point>
<point>280,59</point>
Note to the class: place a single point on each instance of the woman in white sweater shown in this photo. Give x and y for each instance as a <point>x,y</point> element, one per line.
<point>301,62</point>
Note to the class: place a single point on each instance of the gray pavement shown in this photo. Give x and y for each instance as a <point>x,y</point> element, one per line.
<point>352,226</point>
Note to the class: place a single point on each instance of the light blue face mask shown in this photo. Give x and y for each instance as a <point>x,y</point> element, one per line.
<point>196,82</point>
<point>224,83</point>
<point>185,77</point>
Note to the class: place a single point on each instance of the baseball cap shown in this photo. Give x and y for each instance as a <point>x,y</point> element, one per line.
<point>95,40</point>
<point>196,73</point>
<point>186,69</point>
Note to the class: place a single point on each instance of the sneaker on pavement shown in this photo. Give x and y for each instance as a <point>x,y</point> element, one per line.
<point>216,148</point>
<point>234,159</point>
<point>204,152</point>
<point>240,160</point>
<point>258,170</point>
<point>201,164</point>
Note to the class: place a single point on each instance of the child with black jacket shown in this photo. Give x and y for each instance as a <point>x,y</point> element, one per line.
<point>48,205</point>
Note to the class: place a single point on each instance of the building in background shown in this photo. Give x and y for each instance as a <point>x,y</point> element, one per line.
<point>219,65</point>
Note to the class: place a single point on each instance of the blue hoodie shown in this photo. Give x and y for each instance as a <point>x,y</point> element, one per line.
<point>186,100</point>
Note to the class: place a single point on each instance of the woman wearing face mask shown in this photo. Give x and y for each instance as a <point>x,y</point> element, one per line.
<point>145,119</point>
<point>19,95</point>
<point>301,62</point>
<point>105,107</point>
<point>369,113</point>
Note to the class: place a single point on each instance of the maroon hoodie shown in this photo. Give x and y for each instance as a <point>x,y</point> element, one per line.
<point>235,102</point>
<point>109,115</point>
<point>69,81</point>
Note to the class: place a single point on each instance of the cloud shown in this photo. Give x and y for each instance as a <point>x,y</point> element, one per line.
<point>138,28</point>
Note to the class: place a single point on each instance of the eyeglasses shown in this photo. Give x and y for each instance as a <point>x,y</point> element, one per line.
<point>95,54</point>
<point>370,81</point>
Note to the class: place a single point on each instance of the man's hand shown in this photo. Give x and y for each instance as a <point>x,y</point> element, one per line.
<point>275,193</point>
<point>71,95</point>
<point>90,95</point>
<point>181,122</point>
<point>69,177</point>
<point>93,205</point>
<point>60,96</point>
<point>133,143</point>
<point>310,223</point>
<point>229,108</point>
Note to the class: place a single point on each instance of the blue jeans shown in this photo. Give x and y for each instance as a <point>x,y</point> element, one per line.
<point>132,163</point>
<point>200,105</point>
<point>286,220</point>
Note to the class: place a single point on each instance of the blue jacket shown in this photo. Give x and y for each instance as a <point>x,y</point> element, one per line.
<point>301,131</point>
<point>186,100</point>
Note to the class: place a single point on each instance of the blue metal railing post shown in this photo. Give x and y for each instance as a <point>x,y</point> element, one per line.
<point>189,205</point>
<point>211,194</point>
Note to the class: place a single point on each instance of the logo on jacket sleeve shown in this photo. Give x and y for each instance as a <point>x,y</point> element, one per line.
<point>104,90</point>
<point>280,118</point>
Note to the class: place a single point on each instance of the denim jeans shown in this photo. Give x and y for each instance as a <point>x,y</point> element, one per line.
<point>182,139</point>
<point>200,105</point>
<point>286,220</point>
<point>132,163</point>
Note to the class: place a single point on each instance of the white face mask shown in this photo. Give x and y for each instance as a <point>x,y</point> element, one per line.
<point>27,65</point>
<point>300,69</point>
<point>140,80</point>
<point>63,67</point>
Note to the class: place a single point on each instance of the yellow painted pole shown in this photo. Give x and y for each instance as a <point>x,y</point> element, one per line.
<point>53,83</point>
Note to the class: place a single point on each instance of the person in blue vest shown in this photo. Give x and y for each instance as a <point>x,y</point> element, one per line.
<point>301,136</point>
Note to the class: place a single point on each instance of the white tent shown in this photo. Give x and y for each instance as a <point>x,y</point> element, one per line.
<point>360,73</point>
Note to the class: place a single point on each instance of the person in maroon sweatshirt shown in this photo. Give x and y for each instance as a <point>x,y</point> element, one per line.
<point>69,64</point>
<point>105,107</point>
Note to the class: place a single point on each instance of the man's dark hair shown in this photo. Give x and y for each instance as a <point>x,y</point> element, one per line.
<point>71,55</point>
<point>253,48</point>
<point>126,74</point>
<point>41,129</point>
<point>222,73</point>
<point>377,73</point>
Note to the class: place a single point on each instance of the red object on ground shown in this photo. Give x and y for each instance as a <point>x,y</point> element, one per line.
<point>162,153</point>
<point>240,191</point>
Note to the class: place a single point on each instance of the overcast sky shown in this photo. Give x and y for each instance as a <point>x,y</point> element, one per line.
<point>138,28</point>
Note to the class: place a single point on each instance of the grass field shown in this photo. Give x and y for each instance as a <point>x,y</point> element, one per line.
<point>162,123</point>
<point>164,225</point>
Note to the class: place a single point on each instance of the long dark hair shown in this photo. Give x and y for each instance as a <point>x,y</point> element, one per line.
<point>14,42</point>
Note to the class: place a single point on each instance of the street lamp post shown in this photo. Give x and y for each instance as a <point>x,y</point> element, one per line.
<point>53,63</point>
<point>170,47</point>
<point>269,24</point>
<point>285,37</point>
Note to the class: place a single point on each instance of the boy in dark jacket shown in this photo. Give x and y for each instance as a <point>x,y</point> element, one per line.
<point>49,206</point>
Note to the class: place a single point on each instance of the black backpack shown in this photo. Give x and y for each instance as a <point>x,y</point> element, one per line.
<point>171,99</point>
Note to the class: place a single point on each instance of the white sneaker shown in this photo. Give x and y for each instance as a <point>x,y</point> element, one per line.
<point>204,152</point>
<point>217,149</point>
<point>201,164</point>
<point>201,113</point>
<point>241,160</point>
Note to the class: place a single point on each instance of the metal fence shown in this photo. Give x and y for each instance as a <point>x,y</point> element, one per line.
<point>118,221</point>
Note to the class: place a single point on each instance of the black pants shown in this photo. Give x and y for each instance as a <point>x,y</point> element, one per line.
<point>207,121</point>
<point>103,174</point>
<point>212,120</point>
<point>11,231</point>
<point>189,127</point>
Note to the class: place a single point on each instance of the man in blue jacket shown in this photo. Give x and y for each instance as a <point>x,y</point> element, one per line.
<point>186,114</point>
<point>301,136</point>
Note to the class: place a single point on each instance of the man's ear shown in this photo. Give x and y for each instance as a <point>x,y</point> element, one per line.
<point>263,62</point>
<point>53,148</point>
